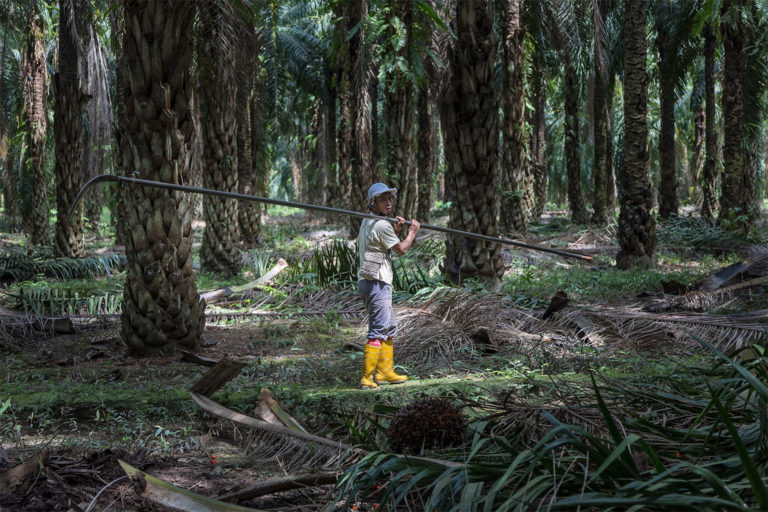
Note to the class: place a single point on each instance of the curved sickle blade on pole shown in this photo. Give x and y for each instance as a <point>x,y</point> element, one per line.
<point>91,182</point>
<point>304,206</point>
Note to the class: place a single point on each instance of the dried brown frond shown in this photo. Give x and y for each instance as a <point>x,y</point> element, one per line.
<point>754,265</point>
<point>461,325</point>
<point>593,239</point>
<point>704,300</point>
<point>264,441</point>
<point>678,331</point>
<point>449,325</point>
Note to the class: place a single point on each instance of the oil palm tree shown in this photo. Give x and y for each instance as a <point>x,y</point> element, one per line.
<point>469,119</point>
<point>744,82</point>
<point>677,49</point>
<point>516,176</point>
<point>737,187</point>
<point>98,154</point>
<point>600,112</point>
<point>69,132</point>
<point>426,150</point>
<point>8,69</point>
<point>355,149</point>
<point>161,307</point>
<point>709,173</point>
<point>34,207</point>
<point>248,212</point>
<point>636,233</point>
<point>566,24</point>
<point>218,86</point>
<point>538,155</point>
<point>398,150</point>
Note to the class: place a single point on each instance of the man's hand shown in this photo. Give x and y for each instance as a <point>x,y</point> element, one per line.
<point>404,245</point>
<point>399,225</point>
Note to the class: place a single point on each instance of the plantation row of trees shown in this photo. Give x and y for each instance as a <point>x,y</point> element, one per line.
<point>503,102</point>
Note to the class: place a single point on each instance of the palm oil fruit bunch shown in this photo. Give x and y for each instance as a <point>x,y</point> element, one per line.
<point>428,423</point>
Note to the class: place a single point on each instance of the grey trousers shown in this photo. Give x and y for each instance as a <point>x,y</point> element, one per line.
<point>377,297</point>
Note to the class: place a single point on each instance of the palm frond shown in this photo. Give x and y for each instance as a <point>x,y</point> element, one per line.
<point>691,442</point>
<point>754,265</point>
<point>18,265</point>
<point>649,331</point>
<point>295,449</point>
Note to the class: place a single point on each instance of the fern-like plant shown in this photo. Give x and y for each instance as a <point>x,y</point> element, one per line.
<point>16,264</point>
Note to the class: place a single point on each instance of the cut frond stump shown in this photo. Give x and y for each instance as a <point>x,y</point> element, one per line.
<point>272,411</point>
<point>219,374</point>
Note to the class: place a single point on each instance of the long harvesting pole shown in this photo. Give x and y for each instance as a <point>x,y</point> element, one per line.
<point>304,206</point>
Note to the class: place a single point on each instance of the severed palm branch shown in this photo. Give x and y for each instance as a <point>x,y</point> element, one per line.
<point>294,448</point>
<point>754,265</point>
<point>645,331</point>
<point>692,442</point>
<point>446,326</point>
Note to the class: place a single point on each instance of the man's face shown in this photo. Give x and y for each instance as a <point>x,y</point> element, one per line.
<point>383,203</point>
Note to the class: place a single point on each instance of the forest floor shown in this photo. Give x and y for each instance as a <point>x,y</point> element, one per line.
<point>80,402</point>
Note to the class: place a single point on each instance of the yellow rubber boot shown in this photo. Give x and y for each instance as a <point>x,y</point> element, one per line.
<point>385,373</point>
<point>371,355</point>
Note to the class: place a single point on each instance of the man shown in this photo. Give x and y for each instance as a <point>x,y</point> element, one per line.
<point>375,243</point>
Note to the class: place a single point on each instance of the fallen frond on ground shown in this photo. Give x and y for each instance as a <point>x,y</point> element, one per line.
<point>695,442</point>
<point>452,325</point>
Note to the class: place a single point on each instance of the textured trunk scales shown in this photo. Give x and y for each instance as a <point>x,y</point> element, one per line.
<point>516,178</point>
<point>218,87</point>
<point>70,138</point>
<point>35,78</point>
<point>161,307</point>
<point>572,152</point>
<point>469,118</point>
<point>637,238</point>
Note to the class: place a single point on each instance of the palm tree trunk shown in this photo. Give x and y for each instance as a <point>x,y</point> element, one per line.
<point>35,77</point>
<point>399,134</point>
<point>424,153</point>
<point>318,158</point>
<point>9,198</point>
<point>637,238</point>
<point>344,126</point>
<point>699,127</point>
<point>668,203</point>
<point>515,175</point>
<point>469,119</point>
<point>331,142</point>
<point>361,174</point>
<point>70,137</point>
<point>600,166</point>
<point>538,137</point>
<point>218,87</point>
<point>248,212</point>
<point>599,114</point>
<point>709,174</point>
<point>375,140</point>
<point>610,172</point>
<point>161,307</point>
<point>100,119</point>
<point>737,201</point>
<point>259,157</point>
<point>398,152</point>
<point>354,167</point>
<point>572,152</point>
<point>117,217</point>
